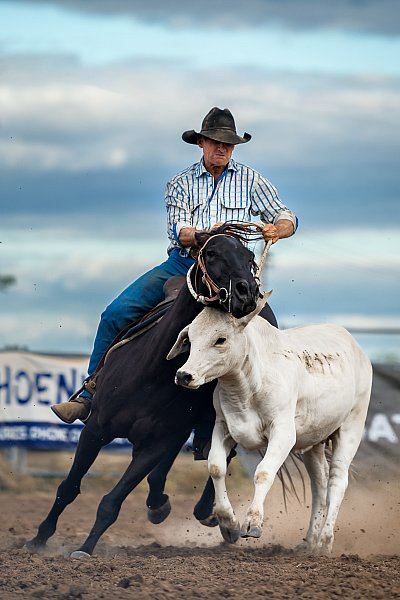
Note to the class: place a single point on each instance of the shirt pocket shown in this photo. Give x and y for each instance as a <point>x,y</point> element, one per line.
<point>195,213</point>
<point>233,214</point>
<point>235,198</point>
<point>194,206</point>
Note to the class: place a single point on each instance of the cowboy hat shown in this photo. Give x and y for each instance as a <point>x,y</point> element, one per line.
<point>218,125</point>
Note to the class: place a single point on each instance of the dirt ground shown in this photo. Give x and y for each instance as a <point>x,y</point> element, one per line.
<point>182,559</point>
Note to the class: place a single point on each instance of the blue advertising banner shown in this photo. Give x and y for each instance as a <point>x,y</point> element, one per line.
<point>29,384</point>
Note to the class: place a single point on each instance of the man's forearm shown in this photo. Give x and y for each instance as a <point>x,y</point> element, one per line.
<point>285,228</point>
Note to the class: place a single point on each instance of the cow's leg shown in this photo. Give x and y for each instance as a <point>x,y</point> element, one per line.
<point>221,445</point>
<point>158,505</point>
<point>318,471</point>
<point>345,442</point>
<point>204,509</point>
<point>88,449</point>
<point>145,459</point>
<point>280,442</point>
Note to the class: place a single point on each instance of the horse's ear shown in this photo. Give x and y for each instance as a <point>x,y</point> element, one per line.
<point>200,238</point>
<point>181,345</point>
<point>261,302</point>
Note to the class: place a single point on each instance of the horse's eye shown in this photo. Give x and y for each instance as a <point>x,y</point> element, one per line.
<point>210,253</point>
<point>220,341</point>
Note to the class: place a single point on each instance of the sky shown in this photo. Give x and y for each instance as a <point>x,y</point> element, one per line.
<point>94,97</point>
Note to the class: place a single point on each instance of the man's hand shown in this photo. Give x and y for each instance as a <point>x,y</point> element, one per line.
<point>270,232</point>
<point>187,234</point>
<point>282,229</point>
<point>216,225</point>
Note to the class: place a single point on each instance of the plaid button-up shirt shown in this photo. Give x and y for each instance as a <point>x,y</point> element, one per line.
<point>194,199</point>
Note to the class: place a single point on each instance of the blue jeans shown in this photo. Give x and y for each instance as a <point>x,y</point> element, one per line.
<point>134,302</point>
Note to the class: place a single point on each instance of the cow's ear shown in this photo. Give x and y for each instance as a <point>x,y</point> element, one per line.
<point>181,345</point>
<point>261,302</point>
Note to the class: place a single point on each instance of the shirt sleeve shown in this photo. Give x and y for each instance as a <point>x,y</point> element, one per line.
<point>178,212</point>
<point>266,203</point>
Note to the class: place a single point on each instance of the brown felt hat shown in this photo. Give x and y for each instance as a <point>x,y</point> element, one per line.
<point>218,125</point>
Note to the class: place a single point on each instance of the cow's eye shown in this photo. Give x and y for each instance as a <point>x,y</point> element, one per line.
<point>220,341</point>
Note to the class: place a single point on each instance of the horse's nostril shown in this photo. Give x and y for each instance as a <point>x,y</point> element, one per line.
<point>183,378</point>
<point>242,288</point>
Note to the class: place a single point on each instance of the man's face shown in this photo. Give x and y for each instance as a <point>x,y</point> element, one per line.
<point>215,154</point>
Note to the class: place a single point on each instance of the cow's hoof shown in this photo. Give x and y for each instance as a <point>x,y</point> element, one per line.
<point>230,535</point>
<point>79,554</point>
<point>304,548</point>
<point>254,532</point>
<point>211,521</point>
<point>158,515</point>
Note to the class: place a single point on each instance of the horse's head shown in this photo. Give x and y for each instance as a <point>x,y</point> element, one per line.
<point>224,274</point>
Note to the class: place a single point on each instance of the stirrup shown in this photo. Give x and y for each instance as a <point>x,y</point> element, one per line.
<point>88,385</point>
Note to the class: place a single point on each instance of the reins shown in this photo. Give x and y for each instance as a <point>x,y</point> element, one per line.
<point>214,291</point>
<point>259,226</point>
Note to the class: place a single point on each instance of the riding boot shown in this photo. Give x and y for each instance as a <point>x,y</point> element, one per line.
<point>76,408</point>
<point>79,405</point>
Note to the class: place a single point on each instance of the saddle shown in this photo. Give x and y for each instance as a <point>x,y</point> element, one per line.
<point>171,289</point>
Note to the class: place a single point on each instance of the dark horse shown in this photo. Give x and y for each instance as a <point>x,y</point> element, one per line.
<point>137,398</point>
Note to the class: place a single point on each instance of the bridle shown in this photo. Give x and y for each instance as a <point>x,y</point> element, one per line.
<point>215,293</point>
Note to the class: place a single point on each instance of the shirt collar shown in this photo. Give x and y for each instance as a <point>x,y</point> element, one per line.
<point>200,168</point>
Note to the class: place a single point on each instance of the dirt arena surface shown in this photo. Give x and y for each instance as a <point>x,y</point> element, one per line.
<point>182,559</point>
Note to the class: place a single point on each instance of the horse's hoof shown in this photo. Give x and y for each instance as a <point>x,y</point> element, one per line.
<point>33,547</point>
<point>230,535</point>
<point>254,532</point>
<point>79,554</point>
<point>211,521</point>
<point>158,515</point>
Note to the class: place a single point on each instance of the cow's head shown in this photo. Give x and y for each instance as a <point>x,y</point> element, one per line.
<point>215,343</point>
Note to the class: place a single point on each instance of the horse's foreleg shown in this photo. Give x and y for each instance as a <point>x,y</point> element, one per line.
<point>87,451</point>
<point>158,505</point>
<point>204,507</point>
<point>144,461</point>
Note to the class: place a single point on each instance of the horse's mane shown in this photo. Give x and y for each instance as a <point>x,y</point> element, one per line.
<point>245,232</point>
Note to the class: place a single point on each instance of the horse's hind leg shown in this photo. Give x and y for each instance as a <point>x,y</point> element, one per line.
<point>144,461</point>
<point>318,471</point>
<point>88,449</point>
<point>158,505</point>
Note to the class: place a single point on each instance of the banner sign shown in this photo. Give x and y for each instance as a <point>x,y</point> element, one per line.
<point>29,385</point>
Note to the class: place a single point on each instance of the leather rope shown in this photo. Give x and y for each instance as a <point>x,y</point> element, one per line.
<point>213,289</point>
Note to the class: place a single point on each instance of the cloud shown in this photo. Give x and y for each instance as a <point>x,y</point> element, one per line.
<point>94,141</point>
<point>116,117</point>
<point>348,15</point>
<point>65,278</point>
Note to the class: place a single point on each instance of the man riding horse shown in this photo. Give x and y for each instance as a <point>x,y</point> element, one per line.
<point>214,190</point>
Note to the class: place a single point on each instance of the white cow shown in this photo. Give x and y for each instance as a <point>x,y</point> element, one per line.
<point>284,389</point>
